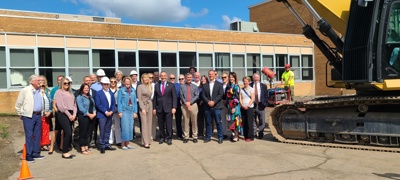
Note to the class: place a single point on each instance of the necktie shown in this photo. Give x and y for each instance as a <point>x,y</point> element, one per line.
<point>162,88</point>
<point>256,92</point>
<point>188,91</point>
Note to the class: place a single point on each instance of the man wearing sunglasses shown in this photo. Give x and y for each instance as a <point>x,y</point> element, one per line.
<point>178,114</point>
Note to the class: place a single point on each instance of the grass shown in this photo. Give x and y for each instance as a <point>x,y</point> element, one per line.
<point>3,131</point>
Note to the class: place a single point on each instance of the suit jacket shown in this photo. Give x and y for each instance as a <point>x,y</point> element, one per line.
<point>102,105</point>
<point>167,101</point>
<point>263,95</point>
<point>217,95</point>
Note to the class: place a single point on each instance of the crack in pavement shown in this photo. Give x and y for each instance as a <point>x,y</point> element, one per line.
<point>327,158</point>
<point>202,167</point>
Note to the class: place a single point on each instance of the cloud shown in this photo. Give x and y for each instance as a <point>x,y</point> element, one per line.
<point>145,11</point>
<point>207,26</point>
<point>227,21</point>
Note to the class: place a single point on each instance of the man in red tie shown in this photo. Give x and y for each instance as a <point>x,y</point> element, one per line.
<point>189,95</point>
<point>164,105</point>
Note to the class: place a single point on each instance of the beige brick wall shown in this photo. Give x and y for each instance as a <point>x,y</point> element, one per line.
<point>273,16</point>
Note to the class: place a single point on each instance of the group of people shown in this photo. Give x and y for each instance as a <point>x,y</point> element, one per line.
<point>197,102</point>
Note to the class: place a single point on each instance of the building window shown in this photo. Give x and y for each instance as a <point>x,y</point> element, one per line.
<point>169,63</point>
<point>103,58</point>
<point>253,64</point>
<point>307,67</point>
<point>78,65</point>
<point>148,59</point>
<point>186,60</point>
<point>22,63</point>
<point>238,66</point>
<point>51,64</point>
<point>294,62</point>
<point>222,60</point>
<point>205,63</point>
<point>3,75</point>
<point>126,62</point>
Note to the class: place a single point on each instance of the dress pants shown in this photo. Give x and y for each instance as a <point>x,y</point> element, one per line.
<point>212,113</point>
<point>66,126</point>
<point>190,116</point>
<point>260,115</point>
<point>165,118</point>
<point>178,122</point>
<point>248,119</point>
<point>85,129</point>
<point>200,121</point>
<point>225,127</point>
<point>32,128</point>
<point>146,122</point>
<point>115,129</point>
<point>105,129</point>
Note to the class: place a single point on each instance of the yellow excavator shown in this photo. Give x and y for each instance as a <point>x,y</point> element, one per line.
<point>364,56</point>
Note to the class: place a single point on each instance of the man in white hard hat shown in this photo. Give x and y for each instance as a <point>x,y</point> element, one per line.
<point>97,85</point>
<point>135,84</point>
<point>105,106</point>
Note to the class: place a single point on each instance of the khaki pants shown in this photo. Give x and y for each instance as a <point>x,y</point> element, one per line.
<point>189,116</point>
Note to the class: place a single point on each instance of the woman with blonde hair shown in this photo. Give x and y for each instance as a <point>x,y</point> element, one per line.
<point>127,109</point>
<point>47,109</point>
<point>144,92</point>
<point>65,102</point>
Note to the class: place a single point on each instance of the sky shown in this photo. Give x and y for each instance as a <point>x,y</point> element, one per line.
<point>208,14</point>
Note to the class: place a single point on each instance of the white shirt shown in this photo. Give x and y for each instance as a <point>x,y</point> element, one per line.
<point>134,85</point>
<point>196,83</point>
<point>258,89</point>
<point>108,97</point>
<point>211,87</point>
<point>224,86</point>
<point>152,92</point>
<point>119,83</point>
<point>245,98</point>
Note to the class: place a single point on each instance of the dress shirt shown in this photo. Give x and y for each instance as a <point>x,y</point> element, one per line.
<point>96,86</point>
<point>134,85</point>
<point>224,86</point>
<point>211,87</point>
<point>258,89</point>
<point>196,83</point>
<point>194,93</point>
<point>37,101</point>
<point>152,90</point>
<point>108,97</point>
<point>161,83</point>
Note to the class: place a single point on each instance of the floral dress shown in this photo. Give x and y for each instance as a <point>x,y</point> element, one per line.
<point>235,118</point>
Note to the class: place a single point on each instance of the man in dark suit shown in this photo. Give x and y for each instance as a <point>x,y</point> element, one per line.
<point>260,103</point>
<point>105,106</point>
<point>164,105</point>
<point>135,84</point>
<point>212,97</point>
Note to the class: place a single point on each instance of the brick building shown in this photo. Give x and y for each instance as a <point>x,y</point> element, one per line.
<point>51,44</point>
<point>273,16</point>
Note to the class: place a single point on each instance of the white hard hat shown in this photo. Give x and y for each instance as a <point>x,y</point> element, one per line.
<point>100,72</point>
<point>105,80</point>
<point>133,72</point>
<point>69,79</point>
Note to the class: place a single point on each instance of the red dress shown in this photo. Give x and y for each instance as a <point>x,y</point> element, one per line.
<point>45,138</point>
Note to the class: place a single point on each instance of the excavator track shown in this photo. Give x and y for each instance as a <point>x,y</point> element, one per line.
<point>329,102</point>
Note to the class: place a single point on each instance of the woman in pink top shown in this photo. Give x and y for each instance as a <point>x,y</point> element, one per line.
<point>65,101</point>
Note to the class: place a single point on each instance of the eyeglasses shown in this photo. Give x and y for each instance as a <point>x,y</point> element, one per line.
<point>224,77</point>
<point>181,78</point>
<point>171,78</point>
<point>67,83</point>
<point>113,81</point>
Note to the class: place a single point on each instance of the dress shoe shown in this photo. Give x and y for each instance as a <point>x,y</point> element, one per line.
<point>194,140</point>
<point>169,141</point>
<point>102,151</point>
<point>67,157</point>
<point>38,157</point>
<point>207,140</point>
<point>260,135</point>
<point>220,141</point>
<point>161,141</point>
<point>110,148</point>
<point>185,140</point>
<point>225,137</point>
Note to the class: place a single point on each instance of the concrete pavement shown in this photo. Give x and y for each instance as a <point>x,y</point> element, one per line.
<point>260,159</point>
